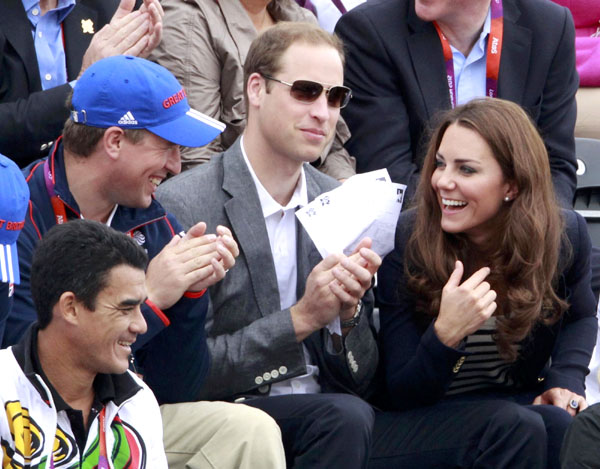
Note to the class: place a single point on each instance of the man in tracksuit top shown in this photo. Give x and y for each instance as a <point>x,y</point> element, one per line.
<point>128,118</point>
<point>67,399</point>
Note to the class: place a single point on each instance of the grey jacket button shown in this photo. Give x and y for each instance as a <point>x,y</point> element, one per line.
<point>258,380</point>
<point>264,389</point>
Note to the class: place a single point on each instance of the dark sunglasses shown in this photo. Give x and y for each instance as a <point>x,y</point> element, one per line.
<point>308,91</point>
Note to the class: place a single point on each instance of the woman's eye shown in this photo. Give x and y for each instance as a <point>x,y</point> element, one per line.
<point>439,163</point>
<point>467,170</point>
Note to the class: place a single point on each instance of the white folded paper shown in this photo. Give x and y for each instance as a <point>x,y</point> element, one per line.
<point>366,205</point>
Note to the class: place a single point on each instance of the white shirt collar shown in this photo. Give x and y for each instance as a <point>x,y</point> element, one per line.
<point>268,204</point>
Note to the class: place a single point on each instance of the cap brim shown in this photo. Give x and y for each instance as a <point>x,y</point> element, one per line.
<point>193,129</point>
<point>9,264</point>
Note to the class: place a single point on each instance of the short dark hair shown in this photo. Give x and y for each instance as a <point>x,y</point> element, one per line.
<point>78,256</point>
<point>81,139</point>
<point>264,55</point>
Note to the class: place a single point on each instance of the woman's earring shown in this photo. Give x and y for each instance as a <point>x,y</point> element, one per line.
<point>507,199</point>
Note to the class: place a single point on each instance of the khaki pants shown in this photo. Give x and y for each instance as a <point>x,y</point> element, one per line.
<point>588,113</point>
<point>220,435</point>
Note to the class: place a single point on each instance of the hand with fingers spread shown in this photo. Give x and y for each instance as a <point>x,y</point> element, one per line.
<point>464,307</point>
<point>189,263</point>
<point>128,33</point>
<point>563,398</point>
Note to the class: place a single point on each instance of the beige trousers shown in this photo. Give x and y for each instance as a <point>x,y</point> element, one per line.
<point>588,113</point>
<point>220,435</point>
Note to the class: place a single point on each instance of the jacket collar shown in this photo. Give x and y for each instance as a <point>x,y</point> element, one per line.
<point>431,75</point>
<point>125,219</point>
<point>242,210</point>
<point>108,387</point>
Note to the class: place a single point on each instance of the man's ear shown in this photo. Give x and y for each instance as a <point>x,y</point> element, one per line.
<point>255,87</point>
<point>68,308</point>
<point>112,141</point>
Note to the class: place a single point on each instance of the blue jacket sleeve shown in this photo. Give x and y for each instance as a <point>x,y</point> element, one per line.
<point>418,366</point>
<point>577,336</point>
<point>173,354</point>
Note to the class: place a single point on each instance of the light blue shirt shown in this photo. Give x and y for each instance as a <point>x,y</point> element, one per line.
<point>48,40</point>
<point>469,72</point>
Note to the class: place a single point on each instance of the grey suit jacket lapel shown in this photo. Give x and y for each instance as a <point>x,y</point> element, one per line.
<point>307,255</point>
<point>246,218</point>
<point>516,49</point>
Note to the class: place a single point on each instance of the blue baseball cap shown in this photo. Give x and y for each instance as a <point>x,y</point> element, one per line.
<point>134,93</point>
<point>14,199</point>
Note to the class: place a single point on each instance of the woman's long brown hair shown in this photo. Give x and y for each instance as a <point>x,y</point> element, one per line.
<point>524,252</point>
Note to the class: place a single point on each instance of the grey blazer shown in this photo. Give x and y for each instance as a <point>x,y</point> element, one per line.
<point>252,342</point>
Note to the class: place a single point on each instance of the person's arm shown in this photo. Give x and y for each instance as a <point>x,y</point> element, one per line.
<point>23,312</point>
<point>244,358</point>
<point>376,114</point>
<point>558,113</point>
<point>175,361</point>
<point>30,123</point>
<point>577,336</point>
<point>418,366</point>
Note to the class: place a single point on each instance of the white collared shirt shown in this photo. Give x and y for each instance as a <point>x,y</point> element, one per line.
<point>281,228</point>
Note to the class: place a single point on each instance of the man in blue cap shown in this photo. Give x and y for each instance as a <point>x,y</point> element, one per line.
<point>14,196</point>
<point>128,118</point>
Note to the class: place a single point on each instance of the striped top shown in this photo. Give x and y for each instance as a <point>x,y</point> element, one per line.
<point>485,368</point>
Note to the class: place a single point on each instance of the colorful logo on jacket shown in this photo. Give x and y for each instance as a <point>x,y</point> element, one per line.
<point>25,449</point>
<point>26,434</point>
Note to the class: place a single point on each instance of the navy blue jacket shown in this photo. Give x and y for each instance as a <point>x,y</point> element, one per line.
<point>419,368</point>
<point>174,359</point>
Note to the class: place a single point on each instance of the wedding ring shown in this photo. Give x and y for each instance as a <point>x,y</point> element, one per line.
<point>574,404</point>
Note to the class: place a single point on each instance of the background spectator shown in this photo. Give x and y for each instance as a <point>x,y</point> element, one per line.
<point>45,46</point>
<point>14,197</point>
<point>398,73</point>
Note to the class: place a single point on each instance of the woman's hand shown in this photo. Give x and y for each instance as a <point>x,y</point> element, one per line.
<point>563,398</point>
<point>464,307</point>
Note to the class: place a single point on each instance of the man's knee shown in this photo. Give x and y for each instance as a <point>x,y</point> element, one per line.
<point>345,411</point>
<point>525,422</point>
<point>248,419</point>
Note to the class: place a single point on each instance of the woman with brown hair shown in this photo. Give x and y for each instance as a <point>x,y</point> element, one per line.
<point>487,294</point>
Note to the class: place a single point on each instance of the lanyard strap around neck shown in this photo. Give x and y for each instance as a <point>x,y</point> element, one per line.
<point>494,50</point>
<point>103,454</point>
<point>58,206</point>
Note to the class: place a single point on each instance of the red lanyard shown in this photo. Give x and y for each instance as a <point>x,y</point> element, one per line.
<point>58,206</point>
<point>494,50</point>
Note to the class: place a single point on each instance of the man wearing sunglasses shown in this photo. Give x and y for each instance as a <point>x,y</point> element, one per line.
<point>288,333</point>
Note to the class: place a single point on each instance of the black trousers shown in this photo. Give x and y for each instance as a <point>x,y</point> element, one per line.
<point>581,447</point>
<point>342,431</point>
